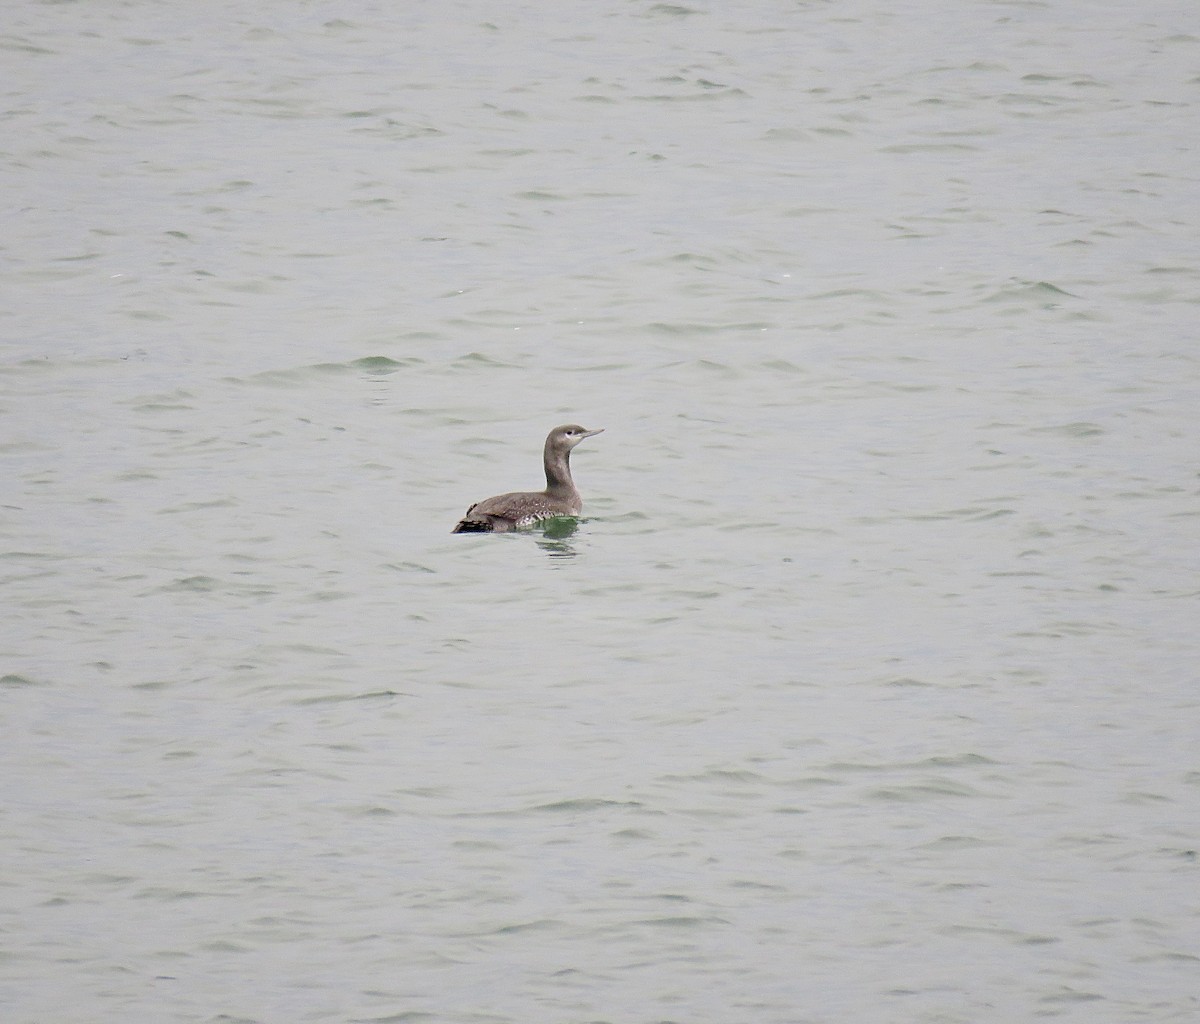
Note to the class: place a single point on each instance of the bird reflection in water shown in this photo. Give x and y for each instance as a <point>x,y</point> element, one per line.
<point>556,536</point>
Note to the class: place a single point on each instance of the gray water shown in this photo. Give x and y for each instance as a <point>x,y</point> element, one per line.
<point>866,691</point>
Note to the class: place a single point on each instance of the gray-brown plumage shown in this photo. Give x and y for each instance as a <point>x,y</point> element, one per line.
<point>507,512</point>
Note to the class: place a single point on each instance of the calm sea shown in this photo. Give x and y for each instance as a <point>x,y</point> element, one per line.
<point>866,691</point>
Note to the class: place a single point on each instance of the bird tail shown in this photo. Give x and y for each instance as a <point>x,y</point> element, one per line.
<point>474,526</point>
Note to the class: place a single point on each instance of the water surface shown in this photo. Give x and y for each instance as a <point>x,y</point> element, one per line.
<point>866,690</point>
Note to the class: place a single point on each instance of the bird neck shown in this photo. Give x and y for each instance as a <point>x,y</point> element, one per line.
<point>558,471</point>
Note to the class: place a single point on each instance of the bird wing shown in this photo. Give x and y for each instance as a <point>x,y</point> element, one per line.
<point>506,511</point>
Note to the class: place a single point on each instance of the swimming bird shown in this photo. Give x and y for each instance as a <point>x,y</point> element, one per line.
<point>510,511</point>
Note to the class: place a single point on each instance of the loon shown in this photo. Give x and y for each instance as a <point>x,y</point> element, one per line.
<point>507,512</point>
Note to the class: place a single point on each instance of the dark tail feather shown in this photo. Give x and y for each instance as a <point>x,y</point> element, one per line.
<point>474,526</point>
